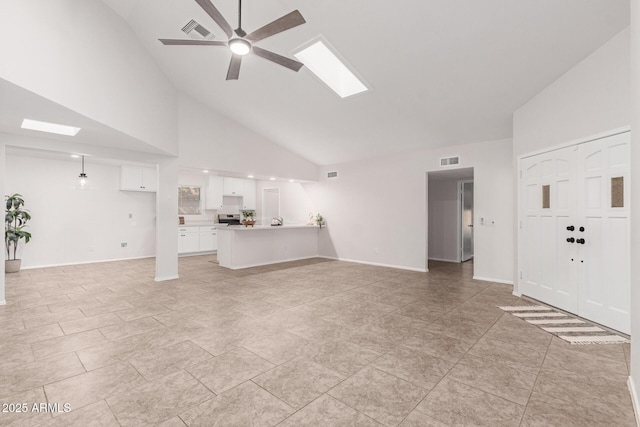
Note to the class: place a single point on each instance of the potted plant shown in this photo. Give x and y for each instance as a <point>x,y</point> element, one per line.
<point>15,220</point>
<point>320,220</point>
<point>249,218</point>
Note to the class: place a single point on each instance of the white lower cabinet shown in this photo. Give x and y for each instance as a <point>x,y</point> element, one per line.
<point>197,239</point>
<point>208,239</point>
<point>188,240</point>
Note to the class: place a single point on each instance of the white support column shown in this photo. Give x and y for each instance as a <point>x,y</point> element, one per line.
<point>166,220</point>
<point>3,163</point>
<point>634,380</point>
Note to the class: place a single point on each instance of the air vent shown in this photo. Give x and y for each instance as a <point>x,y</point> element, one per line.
<point>197,31</point>
<point>448,161</point>
<point>332,174</point>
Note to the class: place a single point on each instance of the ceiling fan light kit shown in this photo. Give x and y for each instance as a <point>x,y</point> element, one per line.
<point>243,43</point>
<point>239,46</point>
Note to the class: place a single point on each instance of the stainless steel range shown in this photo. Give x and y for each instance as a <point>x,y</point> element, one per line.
<point>229,219</point>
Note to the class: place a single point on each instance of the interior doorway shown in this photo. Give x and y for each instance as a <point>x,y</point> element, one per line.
<point>450,215</point>
<point>465,196</point>
<point>270,204</point>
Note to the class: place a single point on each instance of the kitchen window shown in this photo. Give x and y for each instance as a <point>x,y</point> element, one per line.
<point>189,200</point>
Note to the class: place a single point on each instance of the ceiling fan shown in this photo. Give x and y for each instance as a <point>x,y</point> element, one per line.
<point>242,43</point>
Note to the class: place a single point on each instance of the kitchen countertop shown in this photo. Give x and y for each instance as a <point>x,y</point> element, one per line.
<point>199,224</point>
<point>266,227</point>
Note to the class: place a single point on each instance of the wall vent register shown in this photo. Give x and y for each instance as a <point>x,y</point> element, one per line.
<point>197,31</point>
<point>448,161</point>
<point>333,174</point>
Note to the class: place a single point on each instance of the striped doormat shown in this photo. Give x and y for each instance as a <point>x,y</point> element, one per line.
<point>564,326</point>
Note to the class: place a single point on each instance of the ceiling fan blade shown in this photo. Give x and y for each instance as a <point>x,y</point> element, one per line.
<point>284,23</point>
<point>176,42</point>
<point>216,16</point>
<point>278,59</point>
<point>234,67</point>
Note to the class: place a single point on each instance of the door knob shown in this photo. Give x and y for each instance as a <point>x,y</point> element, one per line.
<point>571,228</point>
<point>570,239</point>
<point>581,228</point>
<point>580,241</point>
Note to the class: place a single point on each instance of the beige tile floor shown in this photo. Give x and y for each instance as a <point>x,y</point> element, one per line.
<point>314,343</point>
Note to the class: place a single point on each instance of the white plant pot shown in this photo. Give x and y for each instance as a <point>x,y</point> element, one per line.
<point>12,266</point>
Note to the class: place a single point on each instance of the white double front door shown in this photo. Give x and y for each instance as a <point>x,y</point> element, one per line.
<point>574,230</point>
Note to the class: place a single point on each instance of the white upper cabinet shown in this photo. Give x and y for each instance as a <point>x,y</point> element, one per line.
<point>136,178</point>
<point>249,195</point>
<point>215,190</point>
<point>233,186</point>
<point>218,186</point>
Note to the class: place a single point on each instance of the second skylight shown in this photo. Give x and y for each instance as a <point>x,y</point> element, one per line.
<point>322,62</point>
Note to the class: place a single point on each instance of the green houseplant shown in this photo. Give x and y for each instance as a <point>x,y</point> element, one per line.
<point>319,220</point>
<point>15,220</point>
<point>249,218</point>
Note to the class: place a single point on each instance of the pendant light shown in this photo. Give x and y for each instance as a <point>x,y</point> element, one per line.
<point>83,179</point>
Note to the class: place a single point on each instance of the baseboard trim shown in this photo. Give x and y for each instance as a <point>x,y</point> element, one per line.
<point>197,253</point>
<point>489,279</point>
<point>634,399</point>
<point>516,294</point>
<point>377,264</point>
<point>270,263</point>
<point>33,267</point>
<point>165,278</point>
<point>444,260</point>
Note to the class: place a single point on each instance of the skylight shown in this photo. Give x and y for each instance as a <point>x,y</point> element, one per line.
<point>322,62</point>
<point>49,127</point>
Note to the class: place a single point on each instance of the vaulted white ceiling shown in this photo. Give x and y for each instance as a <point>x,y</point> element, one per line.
<point>442,71</point>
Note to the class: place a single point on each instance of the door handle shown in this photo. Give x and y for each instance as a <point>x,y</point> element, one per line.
<point>580,241</point>
<point>470,225</point>
<point>571,228</point>
<point>570,239</point>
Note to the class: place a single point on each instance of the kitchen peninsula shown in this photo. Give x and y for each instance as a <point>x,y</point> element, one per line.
<point>243,247</point>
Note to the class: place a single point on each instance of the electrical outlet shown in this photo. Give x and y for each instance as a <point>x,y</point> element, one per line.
<point>123,244</point>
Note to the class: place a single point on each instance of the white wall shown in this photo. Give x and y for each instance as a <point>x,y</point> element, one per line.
<point>211,141</point>
<point>83,56</point>
<point>443,219</point>
<point>295,203</point>
<point>591,98</point>
<point>635,203</point>
<point>376,209</point>
<point>75,226</point>
<point>2,191</point>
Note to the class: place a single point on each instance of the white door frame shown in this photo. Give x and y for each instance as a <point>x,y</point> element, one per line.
<point>263,205</point>
<point>520,215</point>
<point>460,217</point>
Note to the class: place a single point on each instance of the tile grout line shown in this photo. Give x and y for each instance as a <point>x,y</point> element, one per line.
<point>456,364</point>
<point>535,382</point>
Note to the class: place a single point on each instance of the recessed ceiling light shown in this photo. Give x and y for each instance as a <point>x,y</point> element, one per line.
<point>272,179</point>
<point>291,180</point>
<point>75,156</point>
<point>249,176</point>
<point>205,171</point>
<point>49,127</point>
<point>326,65</point>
